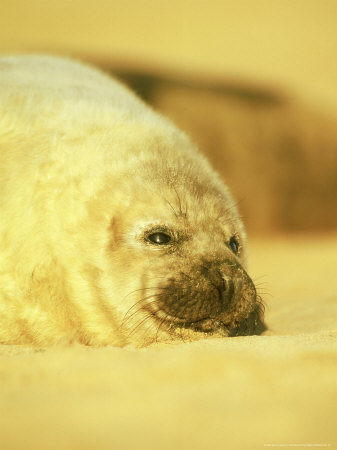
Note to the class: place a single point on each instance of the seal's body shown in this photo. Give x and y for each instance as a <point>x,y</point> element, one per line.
<point>114,229</point>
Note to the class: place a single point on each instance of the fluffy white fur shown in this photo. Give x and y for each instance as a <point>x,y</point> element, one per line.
<point>86,166</point>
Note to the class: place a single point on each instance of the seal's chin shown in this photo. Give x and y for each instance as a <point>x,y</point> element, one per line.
<point>206,325</point>
<point>210,326</point>
<point>171,322</point>
<point>253,324</point>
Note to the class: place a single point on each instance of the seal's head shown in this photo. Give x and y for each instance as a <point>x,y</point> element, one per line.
<point>182,244</point>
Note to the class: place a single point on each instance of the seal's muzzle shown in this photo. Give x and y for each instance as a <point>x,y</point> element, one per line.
<point>212,297</point>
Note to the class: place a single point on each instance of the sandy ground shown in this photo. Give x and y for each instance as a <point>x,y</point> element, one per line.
<point>234,393</point>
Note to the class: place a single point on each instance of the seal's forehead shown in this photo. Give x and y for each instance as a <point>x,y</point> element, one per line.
<point>207,205</point>
<point>181,210</point>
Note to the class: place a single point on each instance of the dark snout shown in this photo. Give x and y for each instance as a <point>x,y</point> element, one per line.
<point>213,295</point>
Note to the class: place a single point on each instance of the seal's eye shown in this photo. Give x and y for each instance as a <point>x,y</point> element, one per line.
<point>159,238</point>
<point>234,244</point>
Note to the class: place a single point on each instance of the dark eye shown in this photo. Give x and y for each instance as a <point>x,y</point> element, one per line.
<point>159,238</point>
<point>234,245</point>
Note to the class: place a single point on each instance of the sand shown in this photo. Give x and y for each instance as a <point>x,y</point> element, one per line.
<point>233,393</point>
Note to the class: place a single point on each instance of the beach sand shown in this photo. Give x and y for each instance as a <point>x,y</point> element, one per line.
<point>233,393</point>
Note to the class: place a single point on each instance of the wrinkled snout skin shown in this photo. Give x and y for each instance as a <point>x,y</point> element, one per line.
<point>211,296</point>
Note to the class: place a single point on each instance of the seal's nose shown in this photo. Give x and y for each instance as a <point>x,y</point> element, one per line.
<point>222,277</point>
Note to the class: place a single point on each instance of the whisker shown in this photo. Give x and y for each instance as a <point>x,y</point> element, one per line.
<point>260,305</point>
<point>174,211</point>
<point>128,316</point>
<point>261,285</point>
<point>261,292</point>
<point>141,322</point>
<point>259,277</point>
<point>235,206</point>
<point>161,323</point>
<point>180,210</point>
<point>137,303</point>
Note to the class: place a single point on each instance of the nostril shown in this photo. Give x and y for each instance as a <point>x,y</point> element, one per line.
<point>225,286</point>
<point>224,280</point>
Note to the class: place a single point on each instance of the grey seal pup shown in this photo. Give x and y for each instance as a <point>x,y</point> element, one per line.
<point>114,228</point>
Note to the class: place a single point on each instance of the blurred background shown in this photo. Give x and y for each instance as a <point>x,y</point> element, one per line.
<point>254,82</point>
